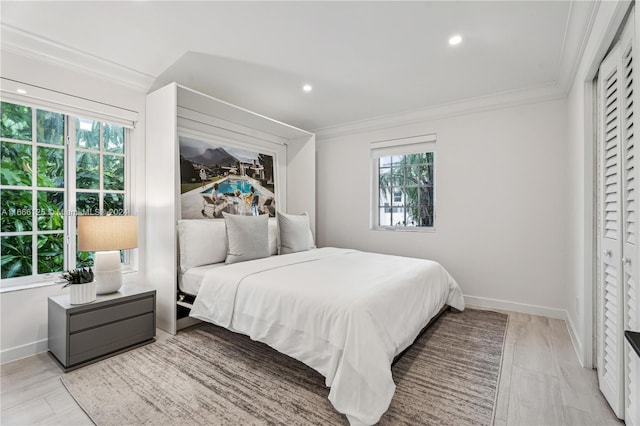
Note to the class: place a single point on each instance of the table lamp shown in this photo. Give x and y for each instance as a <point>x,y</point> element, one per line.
<point>107,235</point>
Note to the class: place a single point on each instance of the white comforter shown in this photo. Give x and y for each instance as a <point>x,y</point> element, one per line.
<point>345,313</point>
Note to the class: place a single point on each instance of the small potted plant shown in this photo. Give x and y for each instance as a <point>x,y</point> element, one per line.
<point>82,286</point>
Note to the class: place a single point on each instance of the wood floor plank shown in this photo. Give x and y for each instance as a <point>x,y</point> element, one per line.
<point>28,412</point>
<point>575,416</point>
<point>63,404</point>
<point>533,349</point>
<point>19,394</point>
<point>534,399</point>
<point>502,400</point>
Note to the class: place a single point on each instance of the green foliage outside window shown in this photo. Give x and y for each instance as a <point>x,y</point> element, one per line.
<point>16,164</point>
<point>87,170</point>
<point>50,127</point>
<point>84,259</point>
<point>113,203</point>
<point>87,203</point>
<point>113,173</point>
<point>50,167</point>
<point>16,121</point>
<point>87,134</point>
<point>113,138</point>
<point>16,256</point>
<point>15,205</point>
<point>50,253</point>
<point>50,211</point>
<point>41,220</point>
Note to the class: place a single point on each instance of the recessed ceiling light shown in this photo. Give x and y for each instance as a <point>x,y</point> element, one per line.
<point>307,88</point>
<point>21,91</point>
<point>456,39</point>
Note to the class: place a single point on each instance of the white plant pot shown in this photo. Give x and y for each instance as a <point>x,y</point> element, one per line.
<point>82,293</point>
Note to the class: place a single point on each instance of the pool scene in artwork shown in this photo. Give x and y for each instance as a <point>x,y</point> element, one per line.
<point>229,186</point>
<point>233,196</point>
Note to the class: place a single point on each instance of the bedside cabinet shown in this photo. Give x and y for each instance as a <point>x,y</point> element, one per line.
<point>113,323</point>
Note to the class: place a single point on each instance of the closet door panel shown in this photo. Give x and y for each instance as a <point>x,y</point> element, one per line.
<point>610,356</point>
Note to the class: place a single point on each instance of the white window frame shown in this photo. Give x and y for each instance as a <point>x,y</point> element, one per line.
<point>400,146</point>
<point>72,107</point>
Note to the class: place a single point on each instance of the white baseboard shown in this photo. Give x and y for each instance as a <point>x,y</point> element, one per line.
<point>23,351</point>
<point>575,341</point>
<point>505,305</point>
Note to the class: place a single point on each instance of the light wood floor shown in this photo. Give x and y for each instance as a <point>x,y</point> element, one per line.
<point>541,383</point>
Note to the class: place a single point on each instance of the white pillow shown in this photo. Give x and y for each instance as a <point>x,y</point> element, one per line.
<point>202,242</point>
<point>295,233</point>
<point>247,237</point>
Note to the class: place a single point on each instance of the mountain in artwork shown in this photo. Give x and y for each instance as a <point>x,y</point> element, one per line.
<point>212,156</point>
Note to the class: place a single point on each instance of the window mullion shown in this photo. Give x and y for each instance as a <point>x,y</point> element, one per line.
<point>70,192</point>
<point>130,258</point>
<point>34,192</point>
<point>101,170</point>
<point>128,202</point>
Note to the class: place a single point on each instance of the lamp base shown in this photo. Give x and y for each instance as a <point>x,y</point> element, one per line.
<point>107,271</point>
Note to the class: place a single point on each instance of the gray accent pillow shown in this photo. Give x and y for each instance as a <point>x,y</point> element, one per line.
<point>247,237</point>
<point>295,233</point>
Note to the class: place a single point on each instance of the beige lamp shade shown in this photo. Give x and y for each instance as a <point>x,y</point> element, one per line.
<point>105,233</point>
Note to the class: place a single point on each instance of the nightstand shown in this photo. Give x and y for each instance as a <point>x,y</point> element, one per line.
<point>113,323</point>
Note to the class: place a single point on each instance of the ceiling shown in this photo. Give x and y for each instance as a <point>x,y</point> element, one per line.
<point>363,59</point>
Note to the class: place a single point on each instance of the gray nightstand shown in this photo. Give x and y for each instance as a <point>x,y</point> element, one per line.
<point>114,323</point>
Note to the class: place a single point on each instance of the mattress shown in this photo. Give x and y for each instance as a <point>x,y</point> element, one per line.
<point>191,280</point>
<point>345,313</point>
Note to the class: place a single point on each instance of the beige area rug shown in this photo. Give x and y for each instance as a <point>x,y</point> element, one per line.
<point>211,376</point>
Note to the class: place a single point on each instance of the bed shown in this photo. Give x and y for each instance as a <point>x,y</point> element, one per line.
<point>345,313</point>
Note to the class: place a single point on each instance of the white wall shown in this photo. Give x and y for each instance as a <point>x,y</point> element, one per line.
<point>23,313</point>
<point>501,203</point>
<point>301,163</point>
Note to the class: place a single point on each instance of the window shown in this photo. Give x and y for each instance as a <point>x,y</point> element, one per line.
<point>54,167</point>
<point>403,183</point>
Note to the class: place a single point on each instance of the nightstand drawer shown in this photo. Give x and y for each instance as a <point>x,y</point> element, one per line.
<point>108,314</point>
<point>99,341</point>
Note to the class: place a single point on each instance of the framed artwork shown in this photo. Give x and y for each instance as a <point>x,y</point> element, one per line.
<point>217,178</point>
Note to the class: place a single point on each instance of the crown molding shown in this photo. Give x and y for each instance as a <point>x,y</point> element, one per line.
<point>468,106</point>
<point>32,46</point>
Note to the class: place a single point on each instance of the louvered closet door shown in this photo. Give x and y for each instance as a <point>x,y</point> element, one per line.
<point>630,254</point>
<point>611,349</point>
